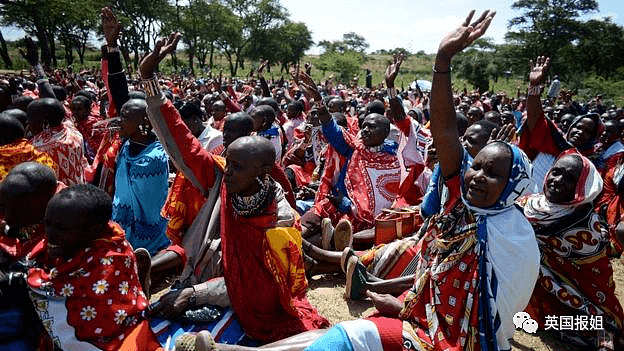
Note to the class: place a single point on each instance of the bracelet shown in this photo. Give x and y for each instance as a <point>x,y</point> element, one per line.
<point>534,90</point>
<point>112,49</point>
<point>151,86</point>
<point>435,70</point>
<point>39,71</point>
<point>392,92</point>
<point>193,298</point>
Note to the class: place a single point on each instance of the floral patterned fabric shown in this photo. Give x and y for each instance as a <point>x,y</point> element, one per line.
<point>93,300</point>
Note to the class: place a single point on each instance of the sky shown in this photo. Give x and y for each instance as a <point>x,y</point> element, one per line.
<point>411,24</point>
<point>414,25</point>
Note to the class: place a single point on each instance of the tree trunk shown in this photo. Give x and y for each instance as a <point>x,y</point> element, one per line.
<point>211,55</point>
<point>4,52</point>
<point>46,58</point>
<point>52,44</point>
<point>191,56</point>
<point>69,57</point>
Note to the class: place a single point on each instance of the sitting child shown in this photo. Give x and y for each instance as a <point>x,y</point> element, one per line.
<point>89,297</point>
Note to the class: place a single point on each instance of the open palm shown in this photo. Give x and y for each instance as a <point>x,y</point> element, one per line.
<point>539,68</point>
<point>458,39</point>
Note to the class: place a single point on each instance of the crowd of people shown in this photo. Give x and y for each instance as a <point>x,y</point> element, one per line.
<point>451,211</point>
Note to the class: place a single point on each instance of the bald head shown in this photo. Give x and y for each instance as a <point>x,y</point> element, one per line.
<point>20,115</point>
<point>264,116</point>
<point>11,129</point>
<point>257,148</point>
<point>25,192</point>
<point>46,110</point>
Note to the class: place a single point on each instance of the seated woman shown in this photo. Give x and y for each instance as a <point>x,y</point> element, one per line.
<point>478,259</point>
<point>262,263</point>
<point>89,296</point>
<point>576,278</point>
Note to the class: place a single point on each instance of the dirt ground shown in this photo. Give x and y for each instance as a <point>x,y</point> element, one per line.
<point>326,293</point>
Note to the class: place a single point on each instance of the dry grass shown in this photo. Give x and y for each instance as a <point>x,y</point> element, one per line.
<point>326,293</point>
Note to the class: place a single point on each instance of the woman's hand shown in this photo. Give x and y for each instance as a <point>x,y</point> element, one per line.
<point>172,304</point>
<point>463,36</point>
<point>539,68</point>
<point>162,48</point>
<point>110,27</point>
<point>386,304</point>
<point>393,69</point>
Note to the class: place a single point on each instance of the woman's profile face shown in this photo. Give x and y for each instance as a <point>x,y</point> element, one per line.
<point>486,179</point>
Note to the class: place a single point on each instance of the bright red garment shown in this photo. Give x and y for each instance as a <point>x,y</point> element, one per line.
<point>182,206</point>
<point>64,144</point>
<point>102,171</point>
<point>92,135</point>
<point>269,298</point>
<point>93,299</point>
<point>611,204</point>
<point>266,286</point>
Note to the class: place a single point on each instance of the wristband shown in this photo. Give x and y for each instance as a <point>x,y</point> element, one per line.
<point>112,49</point>
<point>441,72</point>
<point>392,92</point>
<point>151,86</point>
<point>534,90</point>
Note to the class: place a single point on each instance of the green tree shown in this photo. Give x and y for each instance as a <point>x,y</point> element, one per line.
<point>547,27</point>
<point>256,18</point>
<point>600,48</point>
<point>355,42</point>
<point>141,22</point>
<point>286,44</point>
<point>345,64</point>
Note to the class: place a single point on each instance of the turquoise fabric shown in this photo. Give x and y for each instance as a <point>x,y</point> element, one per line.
<point>336,339</point>
<point>141,185</point>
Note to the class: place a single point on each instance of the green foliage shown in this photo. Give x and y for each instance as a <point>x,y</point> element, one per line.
<point>345,64</point>
<point>548,27</point>
<point>350,42</point>
<point>286,44</point>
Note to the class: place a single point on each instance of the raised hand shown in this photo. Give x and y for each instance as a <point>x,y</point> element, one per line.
<point>393,69</point>
<point>507,133</point>
<point>31,55</point>
<point>539,68</point>
<point>465,34</point>
<point>110,27</point>
<point>162,48</point>
<point>308,68</point>
<point>263,65</point>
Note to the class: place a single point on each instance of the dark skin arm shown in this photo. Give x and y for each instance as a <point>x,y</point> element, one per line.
<point>266,92</point>
<point>443,120</point>
<point>536,77</point>
<point>32,56</point>
<point>396,108</point>
<point>386,304</point>
<point>311,92</point>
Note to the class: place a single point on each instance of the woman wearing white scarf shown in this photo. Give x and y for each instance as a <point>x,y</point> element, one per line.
<point>576,278</point>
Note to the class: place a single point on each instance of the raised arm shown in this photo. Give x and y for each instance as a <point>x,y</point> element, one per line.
<point>443,120</point>
<point>183,148</point>
<point>397,114</point>
<point>331,130</point>
<point>539,68</point>
<point>117,83</point>
<point>266,92</point>
<point>32,56</point>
